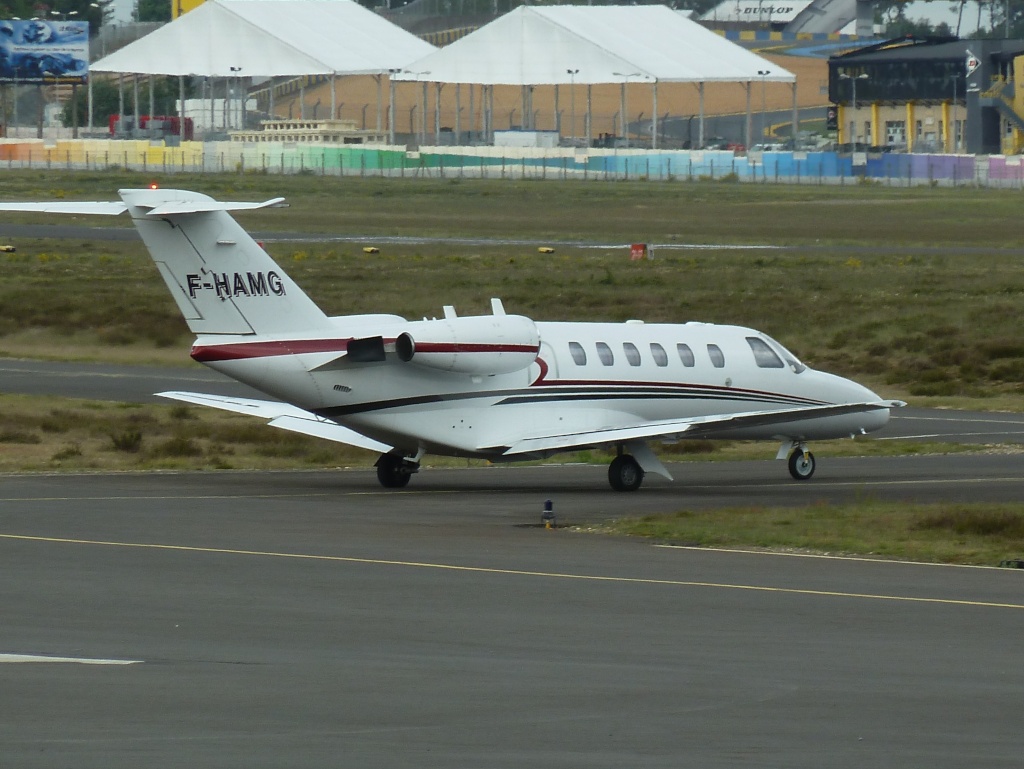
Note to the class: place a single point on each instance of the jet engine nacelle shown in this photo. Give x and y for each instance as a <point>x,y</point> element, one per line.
<point>482,345</point>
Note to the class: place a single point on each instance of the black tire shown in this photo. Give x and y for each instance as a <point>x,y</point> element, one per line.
<point>801,465</point>
<point>392,472</point>
<point>625,473</point>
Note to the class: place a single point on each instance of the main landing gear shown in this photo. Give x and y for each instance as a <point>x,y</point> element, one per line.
<point>395,470</point>
<point>625,473</point>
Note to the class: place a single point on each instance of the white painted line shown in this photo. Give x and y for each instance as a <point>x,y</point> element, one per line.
<point>78,660</point>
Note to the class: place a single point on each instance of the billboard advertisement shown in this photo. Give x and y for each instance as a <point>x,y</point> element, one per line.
<point>756,11</point>
<point>38,51</point>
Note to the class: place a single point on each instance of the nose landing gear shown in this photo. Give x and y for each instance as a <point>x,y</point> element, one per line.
<point>801,463</point>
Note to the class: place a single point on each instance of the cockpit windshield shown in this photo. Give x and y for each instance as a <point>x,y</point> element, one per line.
<point>791,360</point>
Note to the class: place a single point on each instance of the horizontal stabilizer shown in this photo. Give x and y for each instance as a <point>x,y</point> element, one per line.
<point>62,207</point>
<point>695,427</point>
<point>178,207</point>
<point>167,208</point>
<point>283,416</point>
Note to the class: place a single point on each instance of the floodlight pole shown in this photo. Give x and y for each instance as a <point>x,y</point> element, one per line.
<point>853,97</point>
<point>764,73</point>
<point>954,143</point>
<point>624,119</point>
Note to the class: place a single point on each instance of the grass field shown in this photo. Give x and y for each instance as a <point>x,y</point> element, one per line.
<point>851,290</point>
<point>916,292</point>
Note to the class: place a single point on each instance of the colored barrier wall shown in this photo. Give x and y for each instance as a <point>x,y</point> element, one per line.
<point>510,162</point>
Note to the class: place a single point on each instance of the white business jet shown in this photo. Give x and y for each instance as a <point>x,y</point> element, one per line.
<point>499,387</point>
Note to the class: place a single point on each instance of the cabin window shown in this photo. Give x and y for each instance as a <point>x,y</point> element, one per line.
<point>578,353</point>
<point>632,354</point>
<point>604,352</point>
<point>764,355</point>
<point>685,355</point>
<point>716,355</point>
<point>660,356</point>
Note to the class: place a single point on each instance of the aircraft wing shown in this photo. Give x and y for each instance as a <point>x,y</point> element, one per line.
<point>283,416</point>
<point>692,427</point>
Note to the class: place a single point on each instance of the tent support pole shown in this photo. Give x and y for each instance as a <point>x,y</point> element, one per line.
<point>590,118</point>
<point>181,105</point>
<point>437,113</point>
<point>90,104</point>
<point>302,100</point>
<point>458,114</point>
<point>423,116</point>
<point>700,122</point>
<point>796,119</point>
<point>558,115</point>
<point>152,97</point>
<point>748,128</point>
<point>654,115</point>
<point>120,98</point>
<point>334,97</point>
<point>271,109</point>
<point>135,98</point>
<point>490,114</point>
<point>391,109</point>
<point>380,86</point>
<point>472,116</point>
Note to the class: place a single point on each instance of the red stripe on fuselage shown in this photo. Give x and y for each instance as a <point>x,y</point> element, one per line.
<point>249,350</point>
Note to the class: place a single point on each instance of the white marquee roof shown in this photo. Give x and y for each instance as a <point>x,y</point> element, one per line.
<point>539,45</point>
<point>268,38</point>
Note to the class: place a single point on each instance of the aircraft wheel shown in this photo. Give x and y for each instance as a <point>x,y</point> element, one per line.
<point>392,471</point>
<point>625,473</point>
<point>801,464</point>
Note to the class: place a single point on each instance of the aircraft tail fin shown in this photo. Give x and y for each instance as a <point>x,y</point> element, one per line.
<point>221,279</point>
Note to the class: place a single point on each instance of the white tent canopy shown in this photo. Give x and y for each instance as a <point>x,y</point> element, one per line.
<point>535,45</point>
<point>270,38</point>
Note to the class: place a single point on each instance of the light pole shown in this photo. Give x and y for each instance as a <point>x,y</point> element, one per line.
<point>763,74</point>
<point>954,143</point>
<point>233,90</point>
<point>853,98</point>
<point>624,122</point>
<point>572,98</point>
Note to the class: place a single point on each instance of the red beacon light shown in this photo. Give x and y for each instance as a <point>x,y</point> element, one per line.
<point>154,186</point>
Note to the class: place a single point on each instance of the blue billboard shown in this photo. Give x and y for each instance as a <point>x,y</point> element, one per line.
<point>39,51</point>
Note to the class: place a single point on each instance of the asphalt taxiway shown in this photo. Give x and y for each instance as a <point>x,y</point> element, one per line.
<point>313,619</point>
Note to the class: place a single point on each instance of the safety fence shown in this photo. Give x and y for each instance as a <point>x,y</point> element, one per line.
<point>518,163</point>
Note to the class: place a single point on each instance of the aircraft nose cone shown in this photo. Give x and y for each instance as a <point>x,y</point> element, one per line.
<point>872,420</point>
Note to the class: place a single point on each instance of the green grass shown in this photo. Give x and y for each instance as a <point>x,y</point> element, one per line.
<point>983,534</point>
<point>42,433</point>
